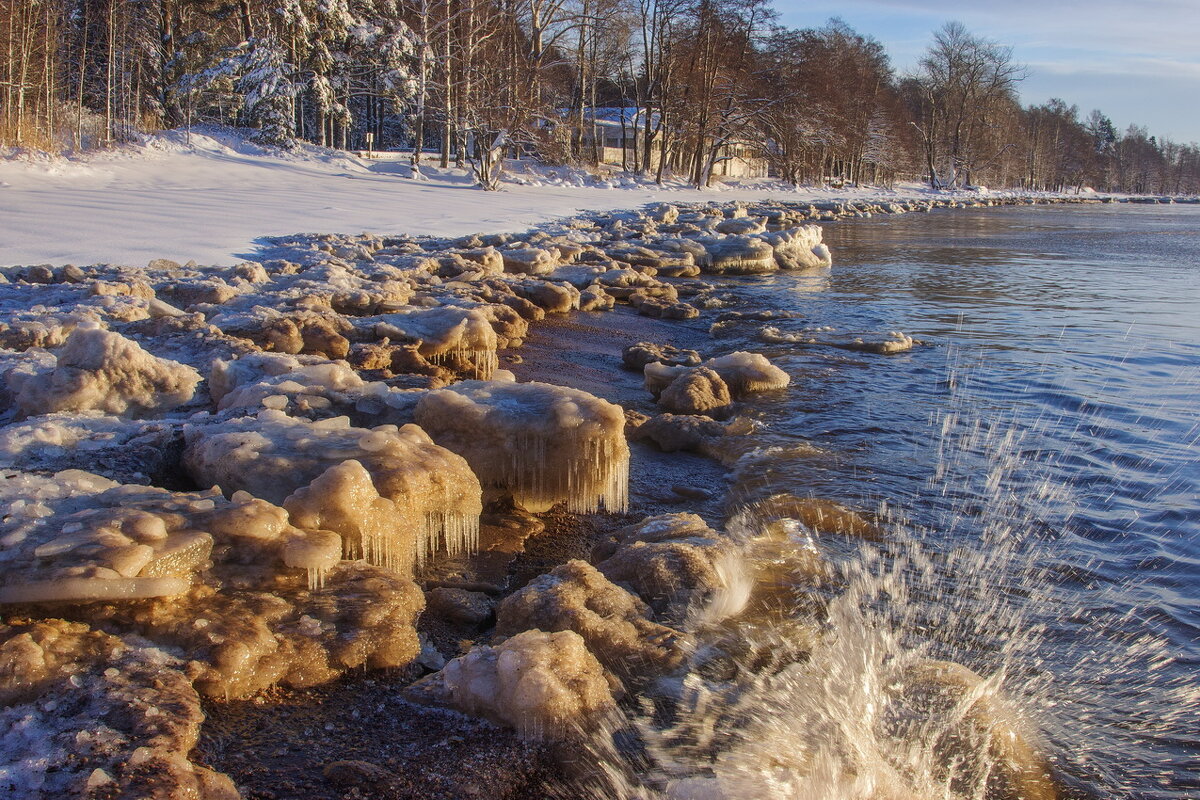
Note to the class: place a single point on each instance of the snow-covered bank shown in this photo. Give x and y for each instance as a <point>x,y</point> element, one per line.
<point>210,196</point>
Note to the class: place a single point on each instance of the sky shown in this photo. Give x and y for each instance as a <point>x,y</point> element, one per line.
<point>1138,61</point>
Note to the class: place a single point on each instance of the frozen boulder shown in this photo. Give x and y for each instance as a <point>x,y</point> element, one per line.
<point>79,538</point>
<point>615,625</point>
<point>674,432</point>
<point>545,685</point>
<point>434,496</point>
<point>462,339</point>
<point>738,255</point>
<point>741,226</point>
<point>674,562</point>
<point>226,375</point>
<point>540,444</point>
<point>637,356</point>
<point>799,248</point>
<point>697,391</point>
<point>980,732</point>
<point>102,370</point>
<point>553,298</point>
<point>744,373</point>
<point>530,260</point>
<point>897,343</point>
<point>748,373</point>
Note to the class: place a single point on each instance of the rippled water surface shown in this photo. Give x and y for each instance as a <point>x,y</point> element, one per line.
<point>1040,449</point>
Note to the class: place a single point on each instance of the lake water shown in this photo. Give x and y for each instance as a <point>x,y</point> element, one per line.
<point>1037,458</point>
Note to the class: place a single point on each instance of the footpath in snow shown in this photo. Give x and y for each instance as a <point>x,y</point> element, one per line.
<point>209,197</point>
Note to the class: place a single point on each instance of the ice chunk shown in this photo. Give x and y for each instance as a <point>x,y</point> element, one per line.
<point>460,338</point>
<point>799,248</point>
<point>539,443</point>
<point>674,562</point>
<point>225,376</point>
<point>697,391</point>
<point>530,260</point>
<point>253,627</point>
<point>745,373</point>
<point>434,495</point>
<point>546,685</point>
<point>77,538</point>
<point>615,624</point>
<point>737,255</point>
<point>102,370</point>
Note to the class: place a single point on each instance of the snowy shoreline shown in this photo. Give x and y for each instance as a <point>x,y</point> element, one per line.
<point>212,196</point>
<point>293,383</point>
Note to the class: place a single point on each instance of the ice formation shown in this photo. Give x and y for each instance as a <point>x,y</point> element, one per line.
<point>799,248</point>
<point>460,338</point>
<point>637,356</point>
<point>344,499</point>
<point>546,685</point>
<point>615,625</point>
<point>102,370</point>
<point>434,495</point>
<point>124,450</point>
<point>80,538</point>
<point>539,443</point>
<point>671,562</point>
<point>747,373</point>
<point>257,627</point>
<point>897,343</point>
<point>738,255</point>
<point>697,391</point>
<point>86,714</point>
<point>744,373</point>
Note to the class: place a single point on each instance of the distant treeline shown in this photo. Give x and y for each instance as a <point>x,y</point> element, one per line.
<point>702,81</point>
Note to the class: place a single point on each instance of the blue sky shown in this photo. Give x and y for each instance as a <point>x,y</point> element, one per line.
<point>1138,61</point>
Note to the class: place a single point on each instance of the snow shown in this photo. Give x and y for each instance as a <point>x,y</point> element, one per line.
<point>212,195</point>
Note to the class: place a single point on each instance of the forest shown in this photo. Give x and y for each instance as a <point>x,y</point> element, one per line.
<point>470,82</point>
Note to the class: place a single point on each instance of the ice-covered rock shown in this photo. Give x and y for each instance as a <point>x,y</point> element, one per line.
<point>546,685</point>
<point>251,629</point>
<point>462,339</point>
<point>530,260</point>
<point>102,370</point>
<point>615,625</point>
<point>744,373</point>
<point>538,443</point>
<point>697,391</point>
<point>435,497</point>
<point>738,255</point>
<point>799,248</point>
<point>84,714</point>
<point>897,343</point>
<point>674,562</point>
<point>637,356</point>
<point>674,432</point>
<point>226,375</point>
<point>740,226</point>
<point>747,373</point>
<point>981,732</point>
<point>78,538</point>
<point>815,513</point>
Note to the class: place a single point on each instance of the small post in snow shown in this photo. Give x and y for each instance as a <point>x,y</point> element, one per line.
<point>370,143</point>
